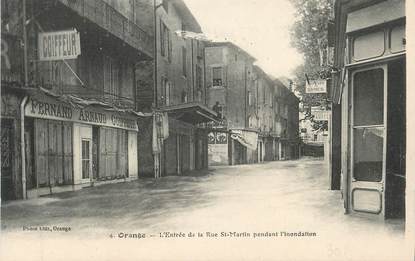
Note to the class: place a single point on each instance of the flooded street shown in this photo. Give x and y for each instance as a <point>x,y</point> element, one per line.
<point>276,204</point>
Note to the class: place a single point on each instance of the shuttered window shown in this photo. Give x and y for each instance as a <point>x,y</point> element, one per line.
<point>113,152</point>
<point>53,153</point>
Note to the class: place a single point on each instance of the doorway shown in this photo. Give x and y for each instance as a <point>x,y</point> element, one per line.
<point>378,140</point>
<point>86,159</point>
<point>7,187</point>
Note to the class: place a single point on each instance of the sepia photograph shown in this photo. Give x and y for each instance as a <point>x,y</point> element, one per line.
<point>207,130</point>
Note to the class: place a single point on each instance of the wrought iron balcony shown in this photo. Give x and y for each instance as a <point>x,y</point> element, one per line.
<point>107,17</point>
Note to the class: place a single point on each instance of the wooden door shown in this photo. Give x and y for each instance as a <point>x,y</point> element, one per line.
<point>41,153</point>
<point>53,154</point>
<point>170,155</point>
<point>67,153</point>
<point>7,186</point>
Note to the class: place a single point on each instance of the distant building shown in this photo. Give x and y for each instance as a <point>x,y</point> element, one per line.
<point>178,97</point>
<point>288,118</point>
<point>258,114</point>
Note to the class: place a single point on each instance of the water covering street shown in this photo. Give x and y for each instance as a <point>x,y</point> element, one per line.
<point>275,205</point>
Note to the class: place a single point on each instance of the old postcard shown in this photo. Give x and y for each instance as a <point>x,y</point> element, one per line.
<point>207,130</point>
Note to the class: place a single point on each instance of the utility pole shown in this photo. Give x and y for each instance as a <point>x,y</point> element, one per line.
<point>157,156</point>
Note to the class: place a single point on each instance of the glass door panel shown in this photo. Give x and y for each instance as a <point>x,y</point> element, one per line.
<point>368,140</point>
<point>368,154</point>
<point>86,159</point>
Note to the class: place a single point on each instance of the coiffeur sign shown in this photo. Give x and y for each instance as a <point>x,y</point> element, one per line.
<point>59,45</point>
<point>48,109</point>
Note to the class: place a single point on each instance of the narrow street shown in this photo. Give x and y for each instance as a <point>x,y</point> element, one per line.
<point>289,196</point>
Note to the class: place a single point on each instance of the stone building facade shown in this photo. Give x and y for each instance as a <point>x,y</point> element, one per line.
<point>177,91</point>
<point>69,116</point>
<point>258,113</point>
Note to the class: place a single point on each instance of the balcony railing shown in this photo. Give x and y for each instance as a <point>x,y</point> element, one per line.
<point>113,21</point>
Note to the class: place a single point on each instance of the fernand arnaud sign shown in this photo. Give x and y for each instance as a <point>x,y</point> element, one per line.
<point>59,45</point>
<point>316,86</point>
<point>48,109</point>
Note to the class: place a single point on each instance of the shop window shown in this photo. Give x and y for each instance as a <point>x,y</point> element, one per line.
<point>217,76</point>
<point>369,45</point>
<point>368,97</point>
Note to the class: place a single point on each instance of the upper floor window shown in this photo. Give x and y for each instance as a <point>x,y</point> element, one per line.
<point>166,91</point>
<point>165,4</point>
<point>184,97</point>
<point>165,41</point>
<point>217,76</point>
<point>199,80</point>
<point>184,61</point>
<point>218,108</point>
<point>249,98</point>
<point>111,76</point>
<point>199,96</point>
<point>270,101</point>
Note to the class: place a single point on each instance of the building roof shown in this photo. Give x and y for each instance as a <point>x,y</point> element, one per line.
<point>190,21</point>
<point>260,71</point>
<point>232,45</point>
<point>192,112</point>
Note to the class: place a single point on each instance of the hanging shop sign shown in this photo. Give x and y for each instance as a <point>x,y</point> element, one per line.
<point>59,45</point>
<point>316,86</point>
<point>247,138</point>
<point>53,110</point>
<point>321,115</point>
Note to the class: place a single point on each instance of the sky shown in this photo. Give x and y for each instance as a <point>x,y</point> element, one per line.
<point>261,27</point>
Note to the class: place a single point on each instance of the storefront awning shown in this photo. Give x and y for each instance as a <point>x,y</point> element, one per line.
<point>193,113</point>
<point>248,139</point>
<point>45,104</point>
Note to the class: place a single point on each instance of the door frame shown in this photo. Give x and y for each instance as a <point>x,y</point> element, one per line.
<point>353,184</point>
<point>91,174</point>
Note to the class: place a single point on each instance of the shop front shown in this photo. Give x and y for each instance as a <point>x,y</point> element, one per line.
<point>70,144</point>
<point>371,88</point>
<point>11,178</point>
<point>185,147</point>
